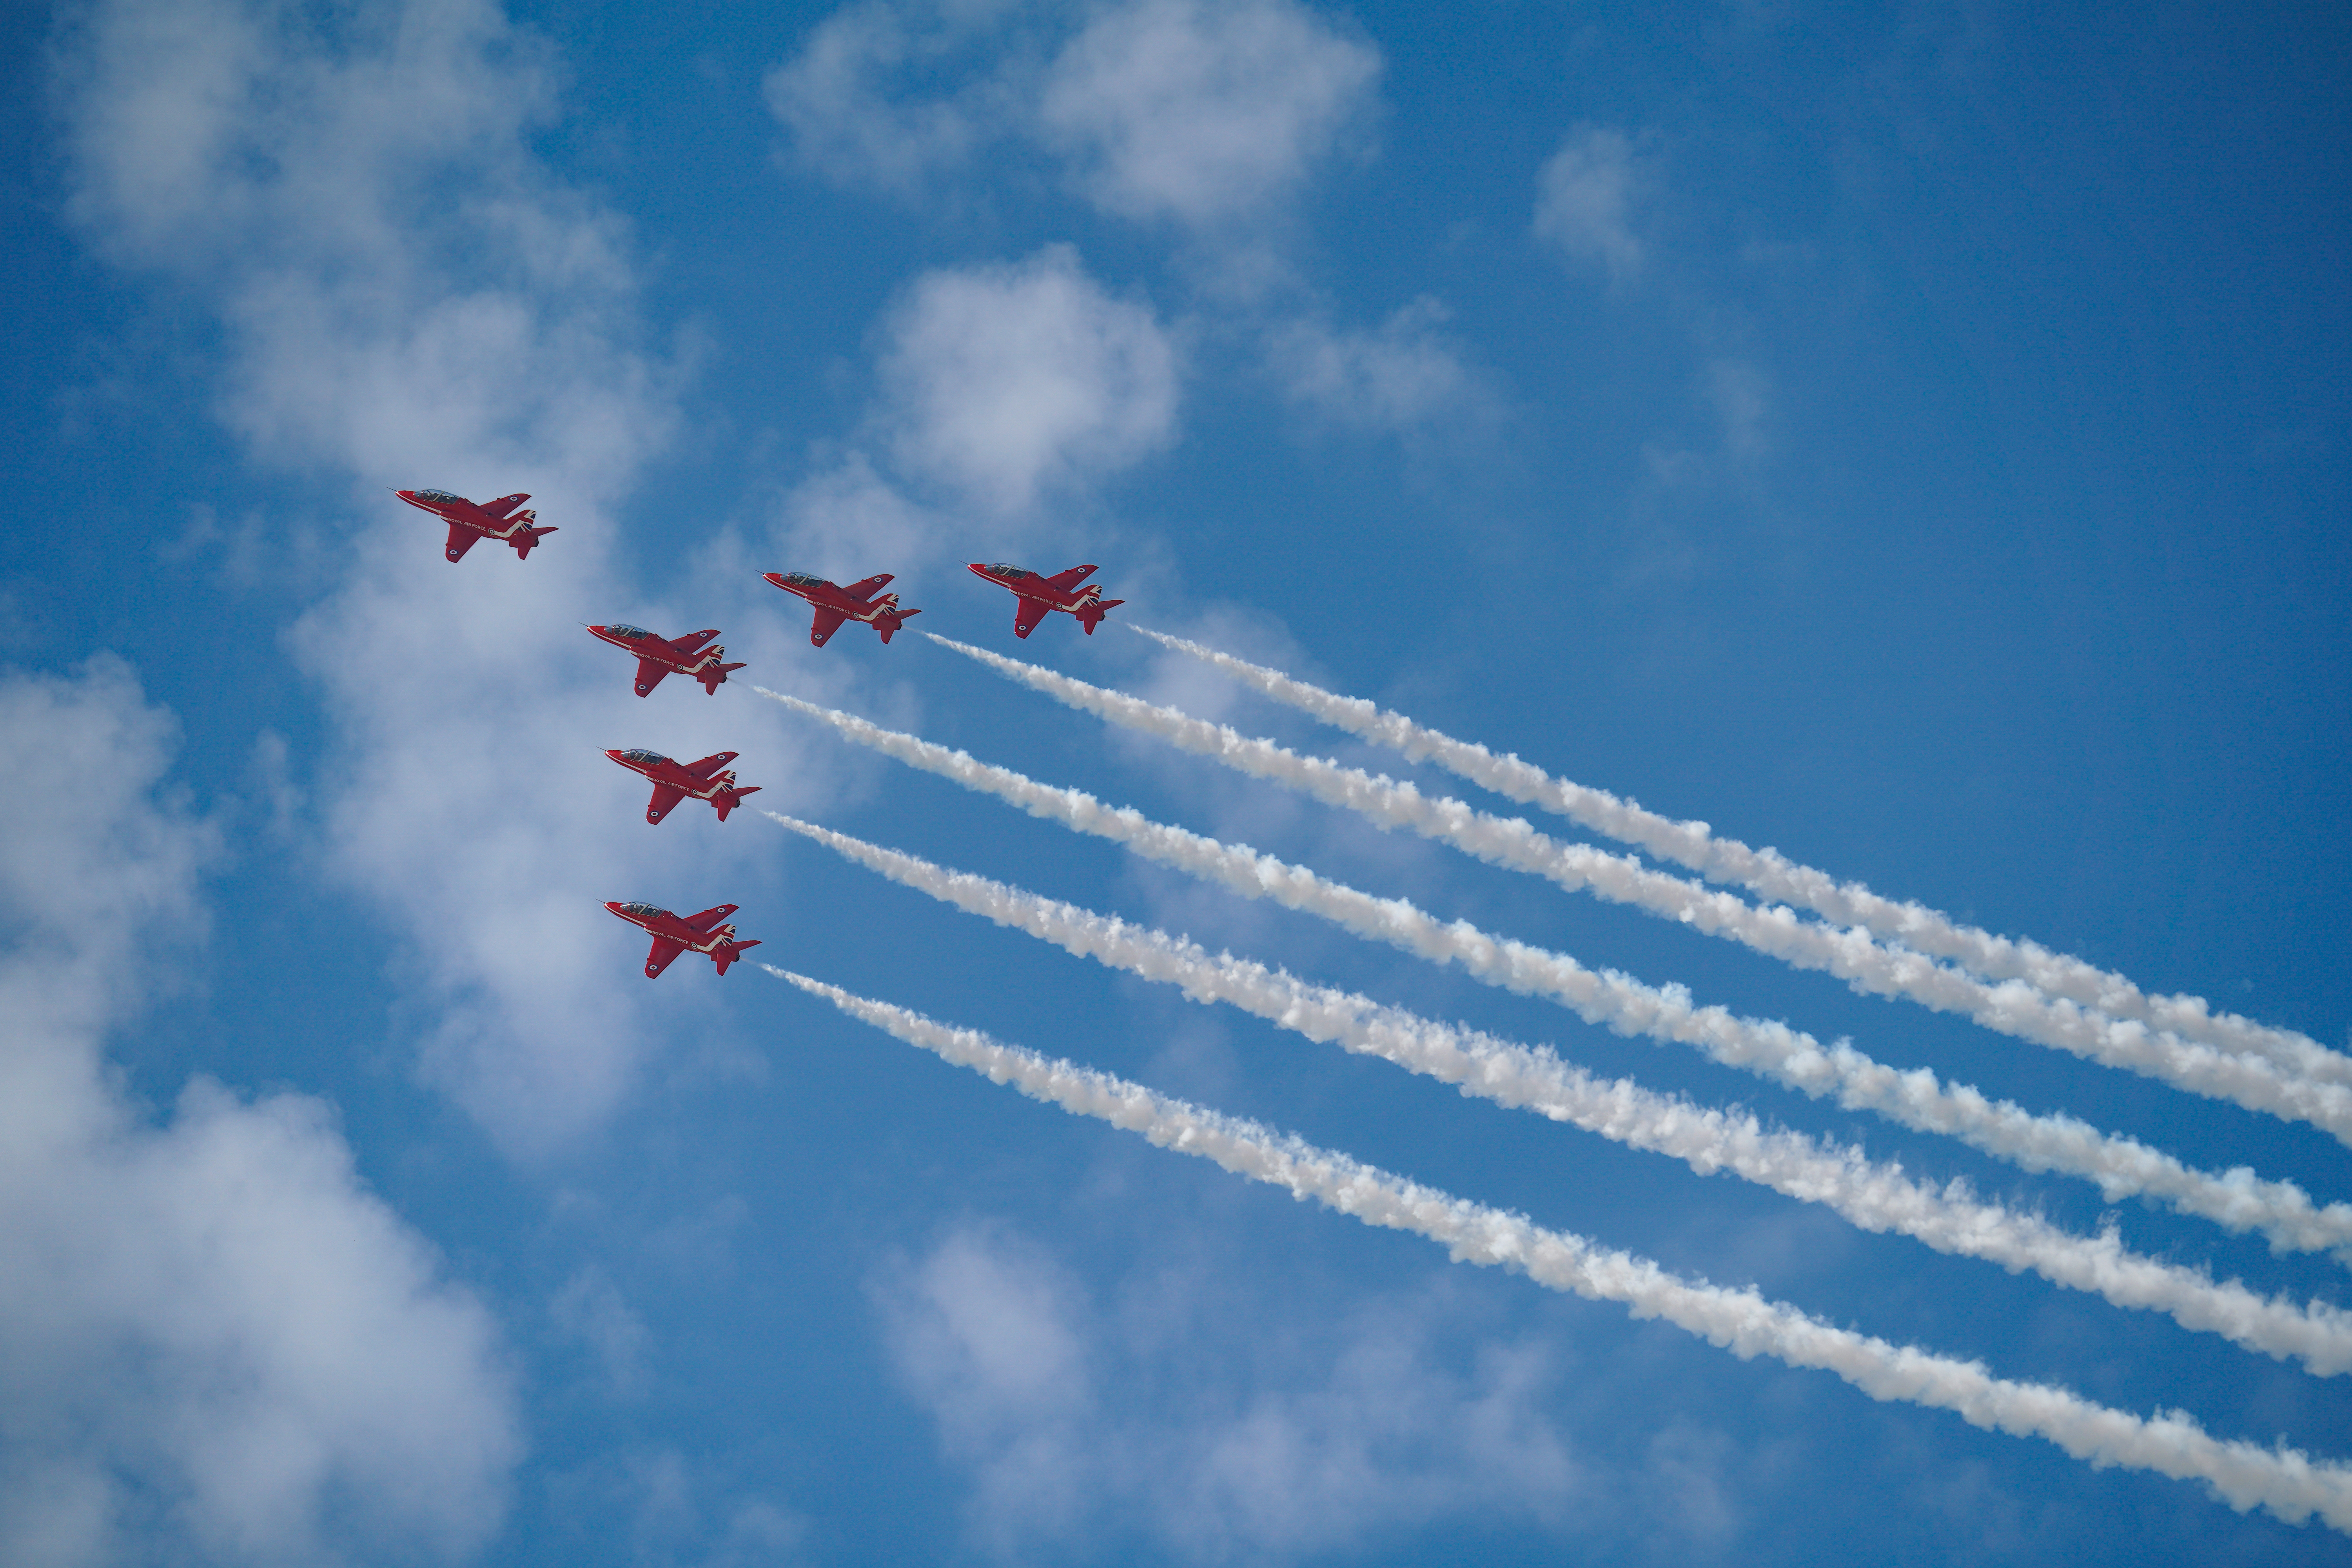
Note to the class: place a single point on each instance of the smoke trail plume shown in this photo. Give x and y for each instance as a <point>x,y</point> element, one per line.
<point>1774,876</point>
<point>2121,1166</point>
<point>1873,1196</point>
<point>2286,1481</point>
<point>1853,955</point>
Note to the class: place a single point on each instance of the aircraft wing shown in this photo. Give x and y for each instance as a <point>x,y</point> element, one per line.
<point>711,917</point>
<point>664,797</point>
<point>659,958</point>
<point>864,591</point>
<point>649,673</point>
<point>1025,618</point>
<point>826,622</point>
<point>710,764</point>
<point>1065,581</point>
<point>461,539</point>
<point>686,645</point>
<point>499,509</point>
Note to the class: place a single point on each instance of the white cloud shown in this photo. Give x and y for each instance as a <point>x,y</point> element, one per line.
<point>1073,1419</point>
<point>591,1311</point>
<point>211,1332</point>
<point>1004,382</point>
<point>412,299</point>
<point>1584,197</point>
<point>846,519</point>
<point>1401,375</point>
<point>1199,113</point>
<point>862,100</point>
<point>1742,400</point>
<point>1204,113</point>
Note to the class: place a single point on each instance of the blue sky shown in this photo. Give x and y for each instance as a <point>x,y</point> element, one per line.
<point>1911,437</point>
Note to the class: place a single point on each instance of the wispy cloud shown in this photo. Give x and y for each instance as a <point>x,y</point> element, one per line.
<point>210,1306</point>
<point>1584,200</point>
<point>1034,1382</point>
<point>410,297</point>
<point>1004,382</point>
<point>1204,113</point>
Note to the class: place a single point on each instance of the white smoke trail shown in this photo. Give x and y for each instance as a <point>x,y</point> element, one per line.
<point>2122,1167</point>
<point>2286,1481</point>
<point>1873,1196</point>
<point>1853,955</point>
<point>1774,876</point>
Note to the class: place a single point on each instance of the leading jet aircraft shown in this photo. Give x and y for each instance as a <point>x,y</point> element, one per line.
<point>673,781</point>
<point>834,605</point>
<point>657,657</point>
<point>699,933</point>
<point>468,521</point>
<point>1059,592</point>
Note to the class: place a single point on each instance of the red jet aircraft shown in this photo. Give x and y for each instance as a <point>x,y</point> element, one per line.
<point>834,605</point>
<point>1059,592</point>
<point>657,657</point>
<point>700,933</point>
<point>673,781</point>
<point>468,522</point>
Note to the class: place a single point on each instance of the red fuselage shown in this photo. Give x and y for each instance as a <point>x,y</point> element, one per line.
<point>470,522</point>
<point>834,604</point>
<point>675,781</point>
<point>1039,594</point>
<point>659,657</point>
<point>674,934</point>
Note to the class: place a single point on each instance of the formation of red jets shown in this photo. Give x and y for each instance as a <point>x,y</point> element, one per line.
<point>697,656</point>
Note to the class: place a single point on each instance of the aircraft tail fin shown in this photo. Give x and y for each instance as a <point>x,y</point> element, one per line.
<point>1092,615</point>
<point>890,623</point>
<point>529,537</point>
<point>733,798</point>
<point>716,677</point>
<point>728,952</point>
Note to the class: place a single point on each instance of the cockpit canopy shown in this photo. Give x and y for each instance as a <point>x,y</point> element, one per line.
<point>642,909</point>
<point>639,754</point>
<point>444,497</point>
<point>1013,570</point>
<point>803,579</point>
<point>633,633</point>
